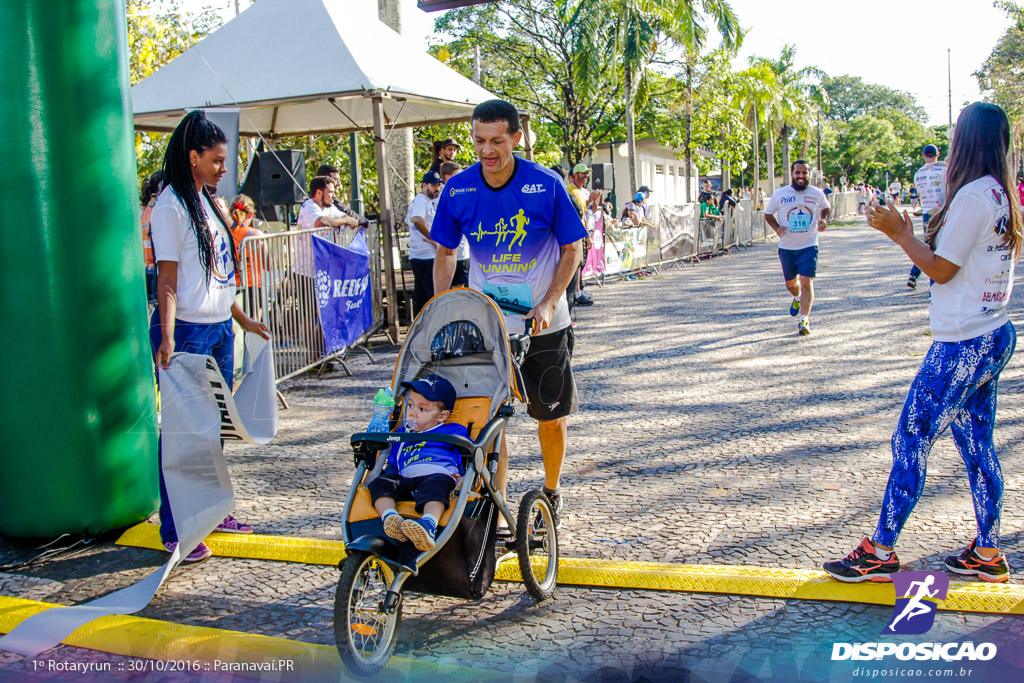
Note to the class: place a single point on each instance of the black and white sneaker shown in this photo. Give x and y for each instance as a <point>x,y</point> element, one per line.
<point>863,565</point>
<point>556,505</point>
<point>970,563</point>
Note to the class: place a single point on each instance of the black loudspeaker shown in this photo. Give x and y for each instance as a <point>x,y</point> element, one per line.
<point>268,182</point>
<point>601,177</point>
<point>282,177</point>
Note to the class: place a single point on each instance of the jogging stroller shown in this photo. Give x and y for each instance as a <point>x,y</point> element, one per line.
<point>462,336</point>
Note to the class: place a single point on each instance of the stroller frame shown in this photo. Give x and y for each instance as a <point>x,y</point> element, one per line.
<point>384,562</point>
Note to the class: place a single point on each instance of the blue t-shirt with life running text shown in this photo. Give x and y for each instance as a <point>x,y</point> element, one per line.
<point>405,455</point>
<point>515,232</point>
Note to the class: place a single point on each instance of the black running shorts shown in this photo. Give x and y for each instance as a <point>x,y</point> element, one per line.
<point>547,376</point>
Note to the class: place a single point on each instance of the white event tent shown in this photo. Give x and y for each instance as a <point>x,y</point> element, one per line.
<point>303,67</point>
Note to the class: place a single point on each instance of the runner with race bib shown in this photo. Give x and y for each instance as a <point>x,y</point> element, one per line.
<point>797,213</point>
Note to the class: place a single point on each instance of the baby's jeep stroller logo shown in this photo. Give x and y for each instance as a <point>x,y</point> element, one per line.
<point>917,599</point>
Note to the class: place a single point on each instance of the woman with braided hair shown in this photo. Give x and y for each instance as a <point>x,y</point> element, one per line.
<point>196,265</point>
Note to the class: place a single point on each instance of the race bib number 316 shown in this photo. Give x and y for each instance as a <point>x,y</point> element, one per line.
<point>799,221</point>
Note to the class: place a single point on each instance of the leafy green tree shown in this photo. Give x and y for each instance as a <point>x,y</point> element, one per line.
<point>852,96</point>
<point>794,109</point>
<point>862,149</point>
<point>159,31</point>
<point>683,23</point>
<point>529,52</point>
<point>1001,76</point>
<point>754,96</point>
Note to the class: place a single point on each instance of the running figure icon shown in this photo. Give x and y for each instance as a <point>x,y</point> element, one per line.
<point>916,606</point>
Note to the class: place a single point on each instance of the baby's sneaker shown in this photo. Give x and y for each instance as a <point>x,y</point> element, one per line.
<point>421,532</point>
<point>393,527</point>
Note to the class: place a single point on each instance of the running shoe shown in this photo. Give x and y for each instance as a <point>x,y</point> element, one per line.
<point>583,298</point>
<point>393,527</point>
<point>912,282</point>
<point>970,563</point>
<point>230,525</point>
<point>200,552</point>
<point>794,307</point>
<point>556,506</point>
<point>804,327</point>
<point>863,565</point>
<point>420,532</point>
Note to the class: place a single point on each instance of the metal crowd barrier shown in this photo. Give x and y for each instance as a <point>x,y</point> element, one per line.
<point>278,287</point>
<point>843,204</point>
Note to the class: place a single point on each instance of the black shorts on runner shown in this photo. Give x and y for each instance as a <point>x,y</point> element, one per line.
<point>547,376</point>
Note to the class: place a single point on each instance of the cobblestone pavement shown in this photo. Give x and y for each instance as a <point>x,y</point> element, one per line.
<point>710,432</point>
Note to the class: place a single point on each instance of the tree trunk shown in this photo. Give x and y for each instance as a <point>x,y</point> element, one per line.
<point>806,147</point>
<point>726,166</point>
<point>630,135</point>
<point>756,193</point>
<point>689,127</point>
<point>770,152</point>
<point>786,178</point>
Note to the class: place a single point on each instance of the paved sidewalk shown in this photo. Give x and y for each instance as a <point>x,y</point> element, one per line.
<point>710,432</point>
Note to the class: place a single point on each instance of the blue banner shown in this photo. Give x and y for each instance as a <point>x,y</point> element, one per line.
<point>343,290</point>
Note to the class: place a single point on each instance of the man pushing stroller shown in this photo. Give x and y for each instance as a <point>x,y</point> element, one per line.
<point>525,243</point>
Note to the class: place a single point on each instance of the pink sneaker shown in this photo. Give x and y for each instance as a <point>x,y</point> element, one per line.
<point>200,552</point>
<point>230,525</point>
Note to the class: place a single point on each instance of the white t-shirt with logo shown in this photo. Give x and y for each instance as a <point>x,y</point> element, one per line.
<point>462,253</point>
<point>198,300</point>
<point>309,212</point>
<point>799,211</point>
<point>895,187</point>
<point>419,246</point>
<point>930,181</point>
<point>974,302</point>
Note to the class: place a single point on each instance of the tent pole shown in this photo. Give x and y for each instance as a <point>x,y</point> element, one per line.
<point>383,190</point>
<point>353,166</point>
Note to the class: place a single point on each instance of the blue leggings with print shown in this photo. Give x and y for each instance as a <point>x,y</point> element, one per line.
<point>956,388</point>
<point>205,339</point>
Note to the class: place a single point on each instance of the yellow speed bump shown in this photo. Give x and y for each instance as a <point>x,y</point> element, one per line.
<point>766,582</point>
<point>179,650</point>
<point>963,596</point>
<point>248,546</point>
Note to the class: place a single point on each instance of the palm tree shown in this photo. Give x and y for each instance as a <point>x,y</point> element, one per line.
<point>794,107</point>
<point>755,97</point>
<point>635,34</point>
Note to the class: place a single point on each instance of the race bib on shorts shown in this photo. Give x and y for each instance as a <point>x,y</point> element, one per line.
<point>799,221</point>
<point>518,294</point>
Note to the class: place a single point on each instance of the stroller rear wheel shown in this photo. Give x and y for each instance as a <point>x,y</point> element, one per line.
<point>364,633</point>
<point>537,544</point>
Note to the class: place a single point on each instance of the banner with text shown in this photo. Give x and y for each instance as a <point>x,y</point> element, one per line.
<point>343,294</point>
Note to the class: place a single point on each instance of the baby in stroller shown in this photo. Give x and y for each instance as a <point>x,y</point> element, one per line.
<point>425,472</point>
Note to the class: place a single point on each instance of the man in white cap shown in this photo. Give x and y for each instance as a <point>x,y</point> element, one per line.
<point>589,200</point>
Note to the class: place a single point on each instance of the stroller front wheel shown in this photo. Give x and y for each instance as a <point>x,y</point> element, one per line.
<point>537,544</point>
<point>364,633</point>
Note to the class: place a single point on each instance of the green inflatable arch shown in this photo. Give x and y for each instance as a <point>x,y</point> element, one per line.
<point>77,404</point>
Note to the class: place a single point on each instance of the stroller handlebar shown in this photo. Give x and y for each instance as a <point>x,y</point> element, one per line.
<point>507,306</point>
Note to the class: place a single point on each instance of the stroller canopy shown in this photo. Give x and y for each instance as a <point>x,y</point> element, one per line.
<point>461,336</point>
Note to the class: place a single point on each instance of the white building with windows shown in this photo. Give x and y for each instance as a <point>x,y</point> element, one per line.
<point>658,167</point>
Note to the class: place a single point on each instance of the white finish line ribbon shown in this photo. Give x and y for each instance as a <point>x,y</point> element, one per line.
<point>198,411</point>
